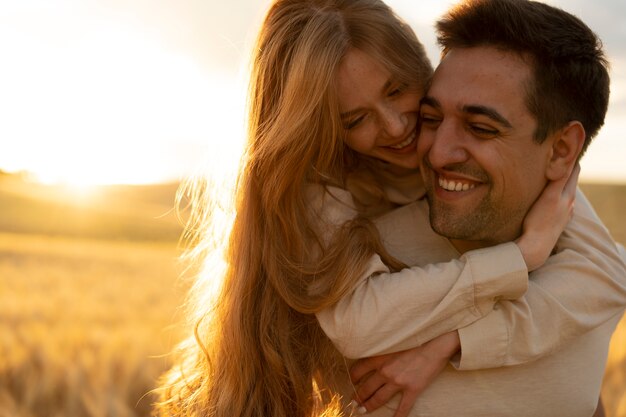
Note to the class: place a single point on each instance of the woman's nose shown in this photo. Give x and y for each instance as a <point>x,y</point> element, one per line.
<point>394,122</point>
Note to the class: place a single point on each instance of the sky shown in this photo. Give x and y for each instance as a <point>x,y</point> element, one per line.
<point>143,91</point>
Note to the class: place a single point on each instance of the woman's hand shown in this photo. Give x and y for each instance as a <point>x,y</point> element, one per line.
<point>408,372</point>
<point>546,220</point>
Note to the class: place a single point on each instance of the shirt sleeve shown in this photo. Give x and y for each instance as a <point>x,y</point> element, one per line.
<point>389,312</point>
<point>579,288</point>
<point>394,311</point>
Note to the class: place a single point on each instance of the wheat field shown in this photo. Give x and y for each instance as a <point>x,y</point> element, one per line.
<point>84,325</point>
<point>87,318</point>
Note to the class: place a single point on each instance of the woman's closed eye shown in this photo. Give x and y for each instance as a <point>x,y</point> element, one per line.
<point>351,124</point>
<point>394,92</point>
<point>397,90</point>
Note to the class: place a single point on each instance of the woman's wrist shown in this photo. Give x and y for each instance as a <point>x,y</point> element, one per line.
<point>446,345</point>
<point>532,252</point>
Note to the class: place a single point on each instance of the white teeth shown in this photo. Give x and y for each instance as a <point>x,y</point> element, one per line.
<point>404,143</point>
<point>451,185</point>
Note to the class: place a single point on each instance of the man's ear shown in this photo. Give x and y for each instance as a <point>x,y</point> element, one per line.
<point>566,147</point>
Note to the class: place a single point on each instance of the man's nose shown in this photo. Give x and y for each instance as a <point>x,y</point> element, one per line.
<point>394,122</point>
<point>448,146</point>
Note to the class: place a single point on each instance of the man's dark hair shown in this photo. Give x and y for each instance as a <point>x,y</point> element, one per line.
<point>571,79</point>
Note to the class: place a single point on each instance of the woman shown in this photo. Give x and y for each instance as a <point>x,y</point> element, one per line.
<point>301,237</point>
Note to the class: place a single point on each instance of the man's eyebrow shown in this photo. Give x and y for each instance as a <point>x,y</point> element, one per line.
<point>489,112</point>
<point>471,109</point>
<point>430,101</point>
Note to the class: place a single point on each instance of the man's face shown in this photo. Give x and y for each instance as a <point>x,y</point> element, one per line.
<point>482,169</point>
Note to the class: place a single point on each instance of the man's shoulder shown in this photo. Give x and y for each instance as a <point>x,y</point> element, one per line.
<point>407,235</point>
<point>405,219</point>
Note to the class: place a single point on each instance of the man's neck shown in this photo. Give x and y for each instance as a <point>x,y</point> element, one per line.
<point>467,245</point>
<point>508,233</point>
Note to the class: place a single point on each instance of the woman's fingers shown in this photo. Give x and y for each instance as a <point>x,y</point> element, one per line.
<point>408,373</point>
<point>547,218</point>
<point>406,404</point>
<point>362,367</point>
<point>381,397</point>
<point>369,387</point>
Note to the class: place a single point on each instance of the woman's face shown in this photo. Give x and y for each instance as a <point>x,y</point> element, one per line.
<point>378,112</point>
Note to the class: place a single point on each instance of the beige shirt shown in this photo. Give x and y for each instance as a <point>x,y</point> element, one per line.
<point>570,306</point>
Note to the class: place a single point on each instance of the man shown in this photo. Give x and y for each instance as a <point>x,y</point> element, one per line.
<point>521,90</point>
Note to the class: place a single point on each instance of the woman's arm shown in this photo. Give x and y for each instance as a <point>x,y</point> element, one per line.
<point>550,306</point>
<point>392,312</point>
<point>389,312</point>
<point>423,301</point>
<point>577,289</point>
<point>410,372</point>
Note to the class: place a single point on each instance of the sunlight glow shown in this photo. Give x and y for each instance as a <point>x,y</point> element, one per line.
<point>104,92</point>
<point>424,13</point>
<point>109,106</point>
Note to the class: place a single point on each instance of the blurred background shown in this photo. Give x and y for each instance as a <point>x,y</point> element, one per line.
<point>105,106</point>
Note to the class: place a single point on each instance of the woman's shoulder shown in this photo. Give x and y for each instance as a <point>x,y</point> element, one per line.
<point>330,204</point>
<point>376,183</point>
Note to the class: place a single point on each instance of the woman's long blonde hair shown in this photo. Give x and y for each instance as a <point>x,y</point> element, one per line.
<point>257,349</point>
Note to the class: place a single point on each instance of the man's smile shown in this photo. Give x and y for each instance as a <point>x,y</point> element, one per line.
<point>455,185</point>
